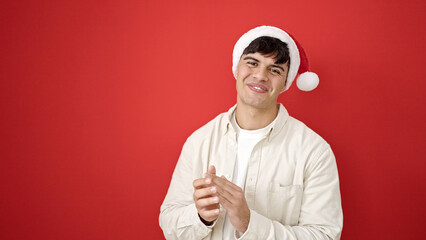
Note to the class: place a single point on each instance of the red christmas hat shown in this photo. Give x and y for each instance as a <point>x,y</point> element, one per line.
<point>306,81</point>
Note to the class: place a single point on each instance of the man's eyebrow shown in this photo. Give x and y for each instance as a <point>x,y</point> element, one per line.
<point>251,58</point>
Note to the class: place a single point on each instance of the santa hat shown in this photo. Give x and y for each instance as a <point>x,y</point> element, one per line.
<point>306,80</point>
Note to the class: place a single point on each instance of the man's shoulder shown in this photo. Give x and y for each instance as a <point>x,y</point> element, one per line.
<point>300,131</point>
<point>214,126</point>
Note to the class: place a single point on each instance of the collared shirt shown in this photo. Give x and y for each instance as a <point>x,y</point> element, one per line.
<point>246,140</point>
<point>291,187</point>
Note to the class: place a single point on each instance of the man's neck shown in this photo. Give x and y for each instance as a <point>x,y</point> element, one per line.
<point>250,118</point>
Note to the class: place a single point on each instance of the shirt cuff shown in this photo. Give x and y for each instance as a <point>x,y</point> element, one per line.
<point>190,218</point>
<point>258,227</point>
<point>209,226</point>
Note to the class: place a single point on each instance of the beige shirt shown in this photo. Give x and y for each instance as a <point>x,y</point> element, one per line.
<point>291,188</point>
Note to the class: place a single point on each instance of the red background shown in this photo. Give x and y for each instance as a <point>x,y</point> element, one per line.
<point>98,97</point>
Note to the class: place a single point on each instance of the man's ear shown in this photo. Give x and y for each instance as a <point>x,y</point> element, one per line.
<point>236,70</point>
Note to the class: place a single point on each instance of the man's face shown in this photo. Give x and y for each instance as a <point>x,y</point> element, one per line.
<point>260,80</point>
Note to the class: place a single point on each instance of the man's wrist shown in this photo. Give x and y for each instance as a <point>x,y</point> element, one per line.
<point>207,223</point>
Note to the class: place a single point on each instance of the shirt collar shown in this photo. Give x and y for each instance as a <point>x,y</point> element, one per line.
<point>280,121</point>
<point>282,118</point>
<point>228,125</point>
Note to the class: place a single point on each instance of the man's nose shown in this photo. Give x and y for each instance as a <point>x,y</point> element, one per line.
<point>261,74</point>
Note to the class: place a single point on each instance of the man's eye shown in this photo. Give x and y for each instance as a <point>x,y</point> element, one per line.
<point>275,71</point>
<point>252,63</point>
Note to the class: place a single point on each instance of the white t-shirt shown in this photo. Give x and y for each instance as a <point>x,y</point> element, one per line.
<point>246,140</point>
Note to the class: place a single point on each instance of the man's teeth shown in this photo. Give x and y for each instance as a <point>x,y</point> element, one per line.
<point>258,88</point>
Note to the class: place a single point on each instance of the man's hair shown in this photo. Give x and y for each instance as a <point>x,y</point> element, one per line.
<point>270,46</point>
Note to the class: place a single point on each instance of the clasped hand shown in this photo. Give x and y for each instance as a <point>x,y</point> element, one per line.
<point>211,190</point>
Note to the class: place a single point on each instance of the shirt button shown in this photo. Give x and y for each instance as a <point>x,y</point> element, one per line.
<point>250,179</point>
<point>227,176</point>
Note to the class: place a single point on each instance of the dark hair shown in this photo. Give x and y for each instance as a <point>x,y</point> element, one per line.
<point>270,46</point>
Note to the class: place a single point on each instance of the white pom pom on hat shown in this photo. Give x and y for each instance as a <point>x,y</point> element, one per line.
<point>306,81</point>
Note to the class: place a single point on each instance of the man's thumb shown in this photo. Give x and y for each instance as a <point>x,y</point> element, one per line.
<point>212,170</point>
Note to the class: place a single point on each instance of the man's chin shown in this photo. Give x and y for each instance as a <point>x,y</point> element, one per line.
<point>258,104</point>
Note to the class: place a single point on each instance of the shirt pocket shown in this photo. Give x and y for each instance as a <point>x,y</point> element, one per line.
<point>284,203</point>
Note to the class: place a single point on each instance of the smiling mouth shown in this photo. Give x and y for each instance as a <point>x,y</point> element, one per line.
<point>257,88</point>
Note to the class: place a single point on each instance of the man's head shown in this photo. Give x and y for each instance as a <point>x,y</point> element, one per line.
<point>262,72</point>
<point>253,41</point>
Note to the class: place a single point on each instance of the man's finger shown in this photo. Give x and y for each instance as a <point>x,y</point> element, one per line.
<point>205,192</point>
<point>224,196</point>
<point>212,170</point>
<point>201,182</point>
<point>225,184</point>
<point>228,191</point>
<point>209,214</point>
<point>205,202</point>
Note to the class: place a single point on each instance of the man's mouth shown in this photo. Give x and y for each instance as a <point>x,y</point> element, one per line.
<point>257,88</point>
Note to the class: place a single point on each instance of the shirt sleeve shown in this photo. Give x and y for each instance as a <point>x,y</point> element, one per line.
<point>321,214</point>
<point>178,215</point>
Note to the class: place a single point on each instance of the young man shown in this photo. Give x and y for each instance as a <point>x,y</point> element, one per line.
<point>254,172</point>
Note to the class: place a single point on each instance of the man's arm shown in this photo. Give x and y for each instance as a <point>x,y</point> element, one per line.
<point>179,217</point>
<point>321,214</point>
